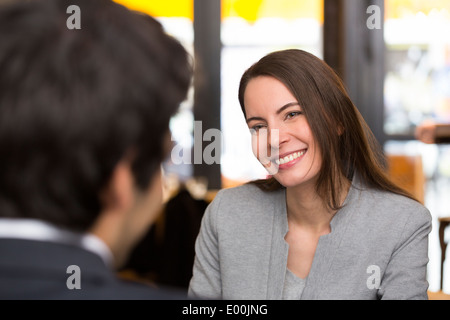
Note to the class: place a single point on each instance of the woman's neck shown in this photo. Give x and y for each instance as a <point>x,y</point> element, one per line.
<point>307,209</point>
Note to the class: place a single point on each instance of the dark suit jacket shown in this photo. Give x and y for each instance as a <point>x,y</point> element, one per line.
<point>38,270</point>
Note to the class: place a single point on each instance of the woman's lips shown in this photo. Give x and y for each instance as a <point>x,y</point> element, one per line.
<point>290,159</point>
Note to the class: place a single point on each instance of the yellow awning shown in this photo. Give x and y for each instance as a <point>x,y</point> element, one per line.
<point>162,8</point>
<point>250,10</point>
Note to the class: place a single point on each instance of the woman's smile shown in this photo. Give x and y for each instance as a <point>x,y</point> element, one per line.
<point>288,160</point>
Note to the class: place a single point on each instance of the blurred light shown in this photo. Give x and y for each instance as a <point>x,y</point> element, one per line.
<point>398,9</point>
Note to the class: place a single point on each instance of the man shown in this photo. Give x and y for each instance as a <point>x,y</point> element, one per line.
<point>431,132</point>
<point>86,95</point>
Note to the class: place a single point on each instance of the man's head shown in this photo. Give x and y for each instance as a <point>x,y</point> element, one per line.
<point>76,104</point>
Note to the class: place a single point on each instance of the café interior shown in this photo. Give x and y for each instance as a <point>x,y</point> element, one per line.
<point>394,58</point>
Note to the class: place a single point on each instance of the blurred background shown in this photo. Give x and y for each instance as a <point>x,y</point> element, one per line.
<point>393,55</point>
<point>394,58</point>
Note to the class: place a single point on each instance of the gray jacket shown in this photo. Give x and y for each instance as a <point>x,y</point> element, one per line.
<point>377,248</point>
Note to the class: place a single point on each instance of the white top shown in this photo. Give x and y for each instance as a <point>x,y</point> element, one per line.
<point>293,286</point>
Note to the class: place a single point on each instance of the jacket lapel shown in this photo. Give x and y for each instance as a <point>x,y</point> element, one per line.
<point>329,244</point>
<point>279,248</point>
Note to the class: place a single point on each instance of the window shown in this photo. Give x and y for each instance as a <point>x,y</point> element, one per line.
<point>417,64</point>
<point>176,16</point>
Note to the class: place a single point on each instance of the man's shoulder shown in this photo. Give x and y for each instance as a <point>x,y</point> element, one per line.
<point>125,289</point>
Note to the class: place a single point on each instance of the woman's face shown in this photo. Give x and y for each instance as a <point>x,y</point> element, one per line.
<point>281,137</point>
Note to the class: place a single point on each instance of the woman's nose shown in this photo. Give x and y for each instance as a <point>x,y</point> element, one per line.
<point>273,139</point>
<point>277,137</point>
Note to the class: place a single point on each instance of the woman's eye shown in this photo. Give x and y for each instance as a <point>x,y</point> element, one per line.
<point>256,128</point>
<point>292,114</point>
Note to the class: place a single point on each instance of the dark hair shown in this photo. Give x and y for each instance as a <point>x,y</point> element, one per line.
<point>343,137</point>
<point>74,102</point>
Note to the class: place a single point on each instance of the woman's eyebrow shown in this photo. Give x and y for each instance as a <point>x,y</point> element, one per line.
<point>290,104</point>
<point>254,118</point>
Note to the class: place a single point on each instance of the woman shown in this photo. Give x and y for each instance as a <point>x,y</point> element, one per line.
<point>328,224</point>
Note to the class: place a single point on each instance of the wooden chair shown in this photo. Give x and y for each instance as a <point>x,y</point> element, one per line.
<point>407,172</point>
<point>444,222</point>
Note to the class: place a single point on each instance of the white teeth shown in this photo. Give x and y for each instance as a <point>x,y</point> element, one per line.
<point>290,157</point>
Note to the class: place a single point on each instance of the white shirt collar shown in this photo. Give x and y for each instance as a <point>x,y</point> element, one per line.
<point>31,229</point>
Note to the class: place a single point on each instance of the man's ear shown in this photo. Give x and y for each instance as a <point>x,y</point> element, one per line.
<point>118,194</point>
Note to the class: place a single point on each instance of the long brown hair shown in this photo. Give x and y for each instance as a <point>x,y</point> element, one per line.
<point>346,142</point>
